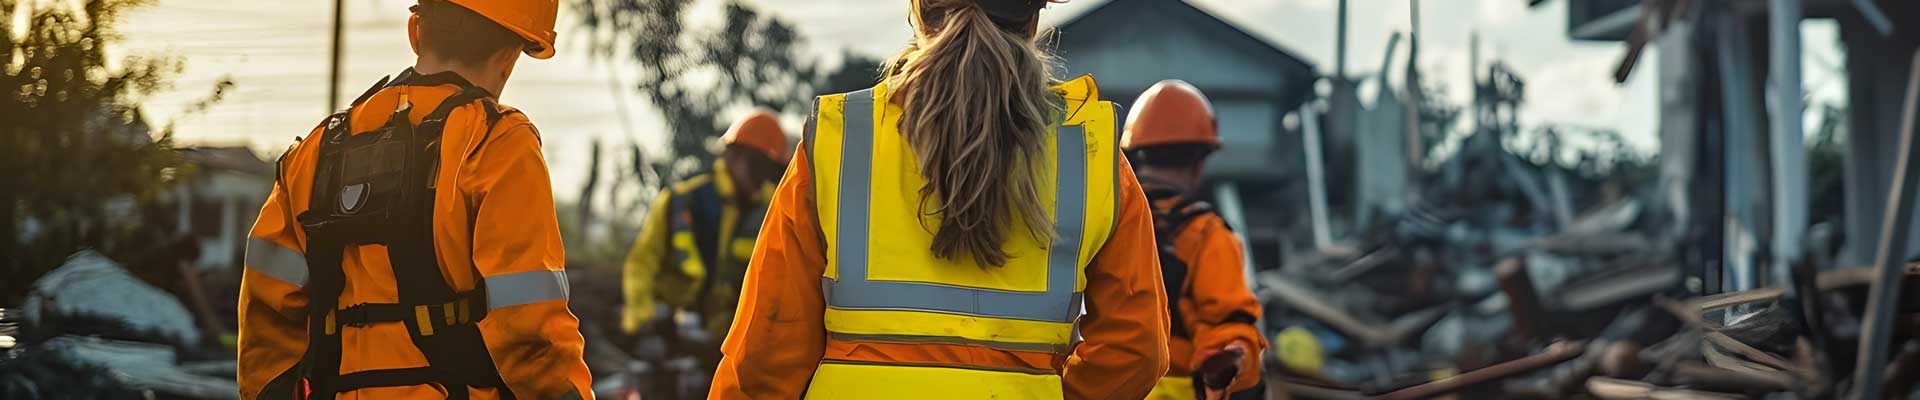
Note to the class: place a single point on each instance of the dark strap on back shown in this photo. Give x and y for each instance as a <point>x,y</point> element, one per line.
<point>1167,224</point>
<point>384,195</point>
<point>701,209</point>
<point>385,378</point>
<point>706,203</point>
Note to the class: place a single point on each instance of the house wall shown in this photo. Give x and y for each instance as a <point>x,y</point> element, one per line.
<point>1128,58</point>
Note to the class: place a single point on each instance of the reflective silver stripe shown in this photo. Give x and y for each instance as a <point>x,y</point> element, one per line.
<point>1069,214</point>
<point>525,288</point>
<point>279,262</point>
<point>854,292</point>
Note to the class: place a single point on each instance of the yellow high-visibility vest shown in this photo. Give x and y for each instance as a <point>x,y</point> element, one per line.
<point>882,284</point>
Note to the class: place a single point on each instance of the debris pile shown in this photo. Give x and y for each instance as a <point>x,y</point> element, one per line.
<point>1494,288</point>
<point>90,329</point>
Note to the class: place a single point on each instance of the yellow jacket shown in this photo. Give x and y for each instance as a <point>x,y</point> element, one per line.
<point>493,222</point>
<point>665,264</point>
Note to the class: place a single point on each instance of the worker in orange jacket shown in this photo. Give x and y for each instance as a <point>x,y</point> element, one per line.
<point>1215,343</point>
<point>946,233</point>
<point>692,254</point>
<point>409,248</point>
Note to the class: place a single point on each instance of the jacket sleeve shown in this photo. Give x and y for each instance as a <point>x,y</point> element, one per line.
<point>273,305</point>
<point>534,341</point>
<point>778,335</point>
<point>1224,310</point>
<point>1125,330</point>
<point>643,264</point>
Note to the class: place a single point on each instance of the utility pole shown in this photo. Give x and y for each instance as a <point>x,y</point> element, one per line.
<point>1415,146</point>
<point>1340,44</point>
<point>1473,77</point>
<point>333,76</point>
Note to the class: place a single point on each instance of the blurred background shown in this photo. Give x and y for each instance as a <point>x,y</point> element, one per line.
<point>1536,198</point>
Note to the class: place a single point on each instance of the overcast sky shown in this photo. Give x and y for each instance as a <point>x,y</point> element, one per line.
<point>276,53</point>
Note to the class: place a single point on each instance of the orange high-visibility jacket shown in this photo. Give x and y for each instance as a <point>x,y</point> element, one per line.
<point>1216,307</point>
<point>493,222</point>
<point>779,335</point>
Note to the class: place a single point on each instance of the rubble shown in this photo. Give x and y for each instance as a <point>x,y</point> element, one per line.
<point>150,370</point>
<point>92,295</point>
<point>1513,296</point>
<point>90,329</point>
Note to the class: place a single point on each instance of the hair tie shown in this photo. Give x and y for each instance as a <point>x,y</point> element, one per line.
<point>1010,13</point>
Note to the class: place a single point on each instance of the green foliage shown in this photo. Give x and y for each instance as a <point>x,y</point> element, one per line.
<point>693,75</point>
<point>82,165</point>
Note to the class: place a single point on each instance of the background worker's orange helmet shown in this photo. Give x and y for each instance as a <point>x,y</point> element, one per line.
<point>1171,112</point>
<point>531,19</point>
<point>759,130</point>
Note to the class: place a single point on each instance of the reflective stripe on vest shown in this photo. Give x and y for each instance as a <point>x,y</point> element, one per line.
<point>529,287</point>
<point>836,380</point>
<point>877,300</point>
<point>279,262</point>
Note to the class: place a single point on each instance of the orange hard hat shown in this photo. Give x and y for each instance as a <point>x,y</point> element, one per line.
<point>531,19</point>
<point>1171,112</point>
<point>759,130</point>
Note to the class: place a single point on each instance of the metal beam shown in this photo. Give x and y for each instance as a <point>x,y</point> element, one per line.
<point>1609,27</point>
<point>1746,160</point>
<point>1787,147</point>
<point>1869,11</point>
<point>1876,329</point>
<point>1316,178</point>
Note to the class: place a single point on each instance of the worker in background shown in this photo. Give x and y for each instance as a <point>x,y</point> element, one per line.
<point>944,233</point>
<point>692,254</point>
<point>409,247</point>
<point>1215,344</point>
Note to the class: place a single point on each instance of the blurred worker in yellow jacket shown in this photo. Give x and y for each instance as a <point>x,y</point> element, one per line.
<point>409,247</point>
<point>692,253</point>
<point>1216,347</point>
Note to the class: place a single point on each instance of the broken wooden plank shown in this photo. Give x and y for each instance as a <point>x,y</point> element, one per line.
<point>1750,353</point>
<point>1827,280</point>
<point>1730,299</point>
<point>1691,318</point>
<point>1522,301</point>
<point>1616,286</point>
<point>1297,388</point>
<point>1364,264</point>
<point>1554,354</point>
<point>1611,389</point>
<point>1707,376</point>
<point>1306,300</point>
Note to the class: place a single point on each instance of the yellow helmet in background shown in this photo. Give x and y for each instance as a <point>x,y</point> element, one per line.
<point>531,19</point>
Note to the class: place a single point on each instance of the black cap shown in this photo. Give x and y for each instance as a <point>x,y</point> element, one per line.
<point>1011,13</point>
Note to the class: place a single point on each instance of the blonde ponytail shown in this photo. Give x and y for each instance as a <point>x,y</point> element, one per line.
<point>978,103</point>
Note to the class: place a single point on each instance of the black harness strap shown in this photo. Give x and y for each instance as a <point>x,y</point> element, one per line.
<point>468,309</point>
<point>698,211</point>
<point>385,378</point>
<point>321,364</point>
<point>378,188</point>
<point>456,353</point>
<point>1167,224</point>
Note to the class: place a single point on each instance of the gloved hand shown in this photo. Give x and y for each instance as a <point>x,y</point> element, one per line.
<point>1218,370</point>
